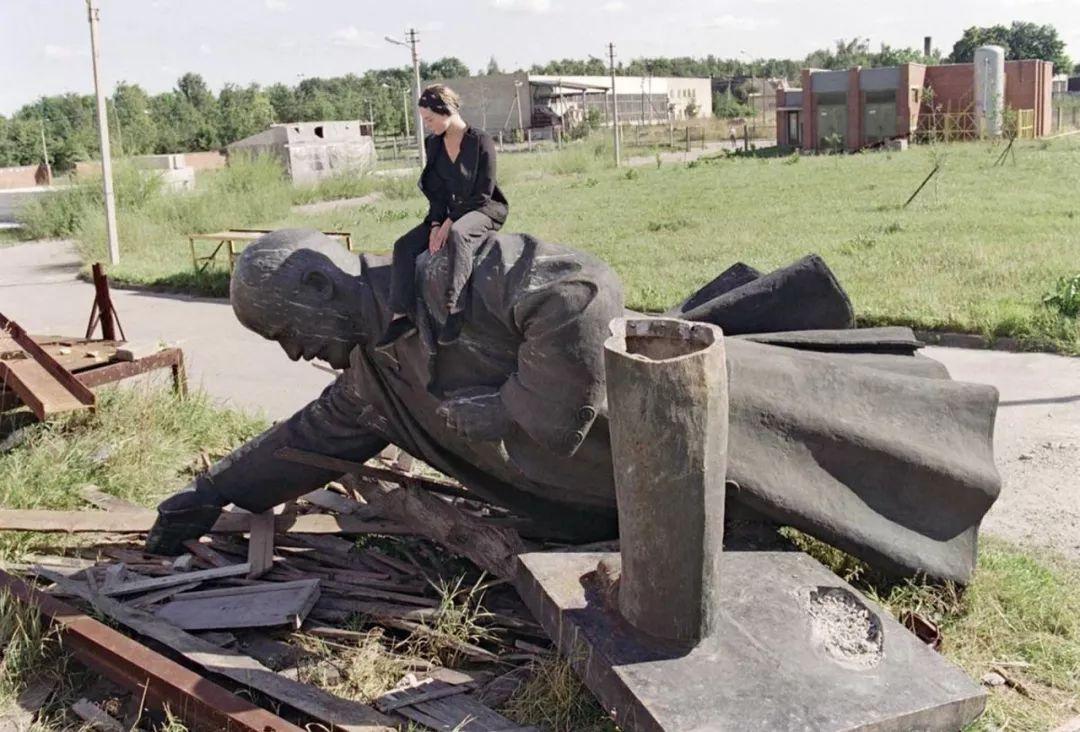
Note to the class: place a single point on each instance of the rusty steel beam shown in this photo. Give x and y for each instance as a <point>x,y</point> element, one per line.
<point>172,358</point>
<point>199,702</point>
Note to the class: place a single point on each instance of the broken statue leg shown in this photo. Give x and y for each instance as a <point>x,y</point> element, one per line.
<point>668,409</point>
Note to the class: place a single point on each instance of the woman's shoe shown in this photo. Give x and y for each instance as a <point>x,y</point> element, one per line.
<point>398,329</point>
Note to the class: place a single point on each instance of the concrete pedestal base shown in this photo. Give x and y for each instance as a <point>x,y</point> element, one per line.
<point>796,648</point>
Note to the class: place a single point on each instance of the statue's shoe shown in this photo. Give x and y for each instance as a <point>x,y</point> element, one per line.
<point>177,524</point>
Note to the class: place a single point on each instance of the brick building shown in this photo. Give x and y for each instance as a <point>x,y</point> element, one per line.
<point>856,108</point>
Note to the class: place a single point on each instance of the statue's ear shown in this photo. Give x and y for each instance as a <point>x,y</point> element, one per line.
<point>319,284</point>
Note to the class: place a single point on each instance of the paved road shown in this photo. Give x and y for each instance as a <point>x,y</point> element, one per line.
<point>1037,440</point>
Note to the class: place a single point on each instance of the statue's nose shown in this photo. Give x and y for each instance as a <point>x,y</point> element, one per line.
<point>292,350</point>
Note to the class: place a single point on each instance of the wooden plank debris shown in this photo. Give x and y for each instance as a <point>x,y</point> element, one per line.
<point>261,544</point>
<point>349,467</point>
<point>157,583</point>
<point>97,497</point>
<point>141,521</point>
<point>151,598</point>
<point>265,605</point>
<point>95,717</point>
<point>344,714</point>
<point>331,501</point>
<point>426,690</point>
<point>493,549</point>
<point>446,708</point>
<point>59,376</point>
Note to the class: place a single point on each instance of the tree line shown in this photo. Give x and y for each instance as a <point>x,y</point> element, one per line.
<point>191,117</point>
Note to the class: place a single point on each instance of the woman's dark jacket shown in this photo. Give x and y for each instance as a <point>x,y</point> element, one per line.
<point>477,161</point>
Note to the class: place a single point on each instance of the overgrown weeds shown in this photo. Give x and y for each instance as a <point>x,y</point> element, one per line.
<point>554,699</point>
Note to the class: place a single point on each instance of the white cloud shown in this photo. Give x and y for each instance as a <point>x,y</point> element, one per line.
<point>205,49</point>
<point>734,22</point>
<point>526,6</point>
<point>614,6</point>
<point>58,52</point>
<point>353,37</point>
<point>276,5</point>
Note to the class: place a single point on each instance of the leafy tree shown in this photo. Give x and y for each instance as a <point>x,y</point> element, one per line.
<point>449,67</point>
<point>492,67</point>
<point>131,112</point>
<point>1020,40</point>
<point>243,111</point>
<point>195,91</point>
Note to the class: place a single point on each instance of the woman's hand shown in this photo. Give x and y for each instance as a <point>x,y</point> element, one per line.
<point>438,236</point>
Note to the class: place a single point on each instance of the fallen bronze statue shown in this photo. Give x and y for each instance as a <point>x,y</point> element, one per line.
<point>756,398</point>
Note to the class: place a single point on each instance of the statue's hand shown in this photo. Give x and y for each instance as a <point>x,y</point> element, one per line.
<point>477,416</point>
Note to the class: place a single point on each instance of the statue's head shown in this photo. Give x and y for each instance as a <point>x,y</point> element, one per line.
<point>300,288</point>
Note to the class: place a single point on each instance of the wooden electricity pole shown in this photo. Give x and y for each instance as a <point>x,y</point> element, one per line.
<point>413,39</point>
<point>614,105</point>
<point>103,131</point>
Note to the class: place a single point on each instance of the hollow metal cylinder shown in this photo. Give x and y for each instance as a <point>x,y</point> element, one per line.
<point>668,413</point>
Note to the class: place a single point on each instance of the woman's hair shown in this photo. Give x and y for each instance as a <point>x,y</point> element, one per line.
<point>440,99</point>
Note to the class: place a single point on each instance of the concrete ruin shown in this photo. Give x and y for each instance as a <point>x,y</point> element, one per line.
<point>312,151</point>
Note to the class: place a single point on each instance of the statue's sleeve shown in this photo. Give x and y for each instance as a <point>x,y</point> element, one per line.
<point>255,480</point>
<point>558,388</point>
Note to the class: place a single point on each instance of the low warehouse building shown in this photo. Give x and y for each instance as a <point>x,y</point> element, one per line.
<point>855,108</point>
<point>311,151</point>
<point>542,103</point>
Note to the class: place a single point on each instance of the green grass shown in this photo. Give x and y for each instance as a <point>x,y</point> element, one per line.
<point>976,251</point>
<point>140,444</point>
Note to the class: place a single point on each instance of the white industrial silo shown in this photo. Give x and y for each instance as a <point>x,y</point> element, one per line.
<point>989,89</point>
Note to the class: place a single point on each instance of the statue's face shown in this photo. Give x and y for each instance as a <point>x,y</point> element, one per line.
<point>301,340</point>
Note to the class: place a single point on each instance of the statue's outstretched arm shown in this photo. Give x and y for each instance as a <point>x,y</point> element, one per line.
<point>254,479</point>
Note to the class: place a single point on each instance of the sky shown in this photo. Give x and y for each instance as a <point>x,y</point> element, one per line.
<point>45,44</point>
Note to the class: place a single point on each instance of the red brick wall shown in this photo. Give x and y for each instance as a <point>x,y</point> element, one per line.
<point>809,115</point>
<point>953,85</point>
<point>1028,85</point>
<point>782,138</point>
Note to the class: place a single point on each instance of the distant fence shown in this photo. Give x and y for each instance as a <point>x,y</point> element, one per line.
<point>1065,113</point>
<point>961,126</point>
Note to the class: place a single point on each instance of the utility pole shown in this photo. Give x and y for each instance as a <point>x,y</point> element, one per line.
<point>614,105</point>
<point>93,15</point>
<point>413,37</point>
<point>45,148</point>
<point>405,102</point>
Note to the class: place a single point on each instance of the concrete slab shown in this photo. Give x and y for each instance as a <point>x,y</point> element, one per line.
<point>796,649</point>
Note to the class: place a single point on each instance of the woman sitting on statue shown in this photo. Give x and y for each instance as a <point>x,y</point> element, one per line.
<point>465,205</point>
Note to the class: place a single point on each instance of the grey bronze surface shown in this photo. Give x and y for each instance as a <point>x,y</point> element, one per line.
<point>858,441</point>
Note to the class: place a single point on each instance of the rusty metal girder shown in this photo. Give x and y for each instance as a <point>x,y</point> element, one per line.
<point>199,702</point>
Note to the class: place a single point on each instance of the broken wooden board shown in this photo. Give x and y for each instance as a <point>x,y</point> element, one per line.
<point>171,580</point>
<point>261,544</point>
<point>95,717</point>
<point>106,502</point>
<point>39,390</point>
<point>331,501</point>
<point>231,522</point>
<point>444,707</point>
<point>493,549</point>
<point>340,713</point>
<point>266,605</point>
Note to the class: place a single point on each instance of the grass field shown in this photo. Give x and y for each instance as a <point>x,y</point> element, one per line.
<point>976,251</point>
<point>1021,614</point>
